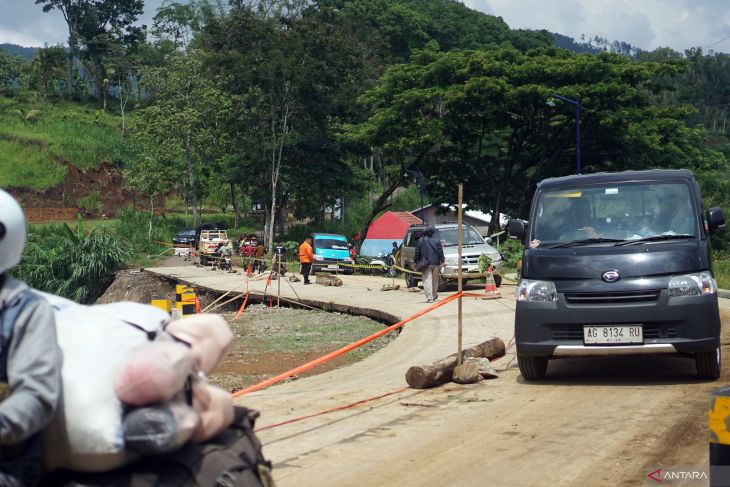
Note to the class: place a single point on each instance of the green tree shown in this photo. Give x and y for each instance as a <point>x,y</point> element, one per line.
<point>72,11</point>
<point>100,27</point>
<point>11,70</point>
<point>48,66</point>
<point>481,118</point>
<point>185,119</point>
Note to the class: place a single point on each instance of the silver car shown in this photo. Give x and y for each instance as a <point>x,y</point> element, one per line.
<point>473,245</point>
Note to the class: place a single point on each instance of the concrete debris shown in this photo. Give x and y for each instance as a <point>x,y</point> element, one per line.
<point>466,373</point>
<point>485,367</point>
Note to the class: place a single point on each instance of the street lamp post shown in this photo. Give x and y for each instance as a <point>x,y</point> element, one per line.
<point>575,103</point>
<point>419,180</point>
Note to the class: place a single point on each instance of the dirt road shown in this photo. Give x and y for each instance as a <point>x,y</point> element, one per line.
<point>594,422</point>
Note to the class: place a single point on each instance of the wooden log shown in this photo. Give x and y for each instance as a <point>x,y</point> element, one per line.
<point>328,279</point>
<point>440,372</point>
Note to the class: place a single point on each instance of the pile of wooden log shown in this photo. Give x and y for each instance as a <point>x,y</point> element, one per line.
<point>440,372</point>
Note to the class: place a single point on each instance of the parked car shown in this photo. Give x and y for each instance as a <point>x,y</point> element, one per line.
<point>184,238</point>
<point>617,264</point>
<point>330,250</point>
<point>473,246</point>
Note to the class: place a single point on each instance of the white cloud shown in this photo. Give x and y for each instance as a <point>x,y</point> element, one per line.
<point>648,24</point>
<point>23,22</point>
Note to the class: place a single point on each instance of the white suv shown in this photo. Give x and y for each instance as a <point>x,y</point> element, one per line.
<point>473,245</point>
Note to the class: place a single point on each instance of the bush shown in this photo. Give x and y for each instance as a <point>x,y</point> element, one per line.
<point>76,265</point>
<point>92,203</point>
<point>292,250</point>
<point>511,251</point>
<point>721,269</point>
<point>135,225</point>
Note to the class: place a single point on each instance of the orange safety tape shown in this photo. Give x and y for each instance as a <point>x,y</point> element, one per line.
<point>242,308</point>
<point>343,350</point>
<point>332,410</point>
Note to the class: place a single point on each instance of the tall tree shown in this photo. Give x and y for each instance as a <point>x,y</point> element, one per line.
<point>97,25</point>
<point>185,119</point>
<point>485,114</point>
<point>48,63</point>
<point>72,11</point>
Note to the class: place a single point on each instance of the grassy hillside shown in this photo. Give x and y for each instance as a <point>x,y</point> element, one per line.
<point>38,136</point>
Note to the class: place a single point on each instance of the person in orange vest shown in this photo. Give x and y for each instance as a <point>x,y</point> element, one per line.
<point>305,258</point>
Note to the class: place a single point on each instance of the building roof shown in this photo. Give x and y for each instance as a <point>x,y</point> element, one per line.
<point>391,225</point>
<point>475,214</point>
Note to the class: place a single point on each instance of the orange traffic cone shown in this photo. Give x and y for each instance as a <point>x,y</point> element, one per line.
<point>270,306</point>
<point>248,272</point>
<point>490,286</point>
<point>197,305</point>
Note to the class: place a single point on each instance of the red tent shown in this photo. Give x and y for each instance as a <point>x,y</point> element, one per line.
<point>388,228</point>
<point>392,225</point>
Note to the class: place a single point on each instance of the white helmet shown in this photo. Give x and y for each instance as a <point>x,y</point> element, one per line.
<point>12,232</point>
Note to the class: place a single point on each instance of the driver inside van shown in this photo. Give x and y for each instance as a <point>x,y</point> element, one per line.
<point>681,221</point>
<point>578,221</point>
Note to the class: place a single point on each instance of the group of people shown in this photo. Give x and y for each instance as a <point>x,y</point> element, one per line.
<point>253,253</point>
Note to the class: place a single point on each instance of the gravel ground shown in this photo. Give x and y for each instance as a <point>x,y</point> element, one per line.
<point>273,340</point>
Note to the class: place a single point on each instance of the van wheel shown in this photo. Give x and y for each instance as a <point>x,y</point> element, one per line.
<point>410,280</point>
<point>442,285</point>
<point>497,280</point>
<point>532,368</point>
<point>708,364</point>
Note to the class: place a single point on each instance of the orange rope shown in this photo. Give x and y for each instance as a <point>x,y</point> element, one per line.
<point>332,410</point>
<point>341,351</point>
<point>243,307</point>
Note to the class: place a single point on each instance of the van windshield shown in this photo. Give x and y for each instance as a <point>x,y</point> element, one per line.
<point>330,244</point>
<point>450,236</point>
<point>618,211</point>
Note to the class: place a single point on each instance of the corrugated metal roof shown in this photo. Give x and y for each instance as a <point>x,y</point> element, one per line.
<point>407,217</point>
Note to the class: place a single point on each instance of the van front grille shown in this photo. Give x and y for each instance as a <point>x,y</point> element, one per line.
<point>574,331</point>
<point>615,297</point>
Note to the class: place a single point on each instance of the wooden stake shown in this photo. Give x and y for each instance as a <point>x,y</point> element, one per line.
<point>459,220</point>
<point>278,284</point>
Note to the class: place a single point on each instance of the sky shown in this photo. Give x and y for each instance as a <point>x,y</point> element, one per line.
<point>647,24</point>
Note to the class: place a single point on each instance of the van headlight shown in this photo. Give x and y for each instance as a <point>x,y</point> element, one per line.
<point>696,284</point>
<point>318,257</point>
<point>452,260</point>
<point>529,290</point>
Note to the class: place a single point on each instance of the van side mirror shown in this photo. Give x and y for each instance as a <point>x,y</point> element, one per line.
<point>715,220</point>
<point>488,239</point>
<point>516,229</point>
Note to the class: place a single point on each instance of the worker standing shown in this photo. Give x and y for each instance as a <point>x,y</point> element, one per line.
<point>259,256</point>
<point>305,258</point>
<point>429,258</point>
<point>30,360</point>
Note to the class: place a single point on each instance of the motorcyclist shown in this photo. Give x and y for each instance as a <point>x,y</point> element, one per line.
<point>30,360</point>
<point>224,253</point>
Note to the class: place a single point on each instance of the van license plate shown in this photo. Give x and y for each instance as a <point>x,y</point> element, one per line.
<point>333,266</point>
<point>609,334</point>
